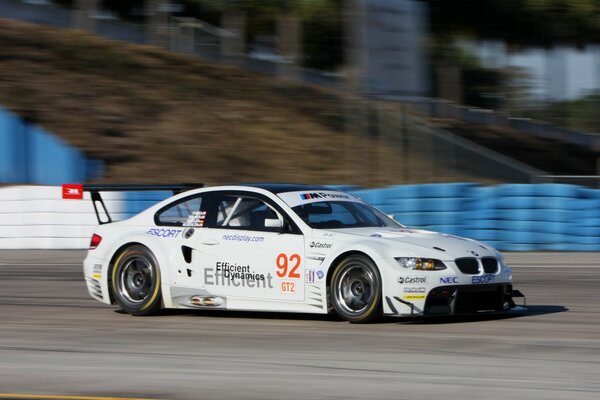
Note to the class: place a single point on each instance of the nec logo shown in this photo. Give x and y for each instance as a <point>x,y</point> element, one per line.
<point>70,191</point>
<point>450,279</point>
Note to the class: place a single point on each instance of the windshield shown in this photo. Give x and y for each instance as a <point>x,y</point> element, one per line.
<point>342,214</point>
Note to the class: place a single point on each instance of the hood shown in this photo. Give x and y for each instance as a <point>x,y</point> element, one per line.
<point>422,243</point>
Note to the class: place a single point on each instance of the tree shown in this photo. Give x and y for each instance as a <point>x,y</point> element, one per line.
<point>519,22</point>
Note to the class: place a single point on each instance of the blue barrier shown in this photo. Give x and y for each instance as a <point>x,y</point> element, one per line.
<point>29,154</point>
<point>545,217</point>
<point>369,196</point>
<point>508,217</point>
<point>513,217</point>
<point>137,202</point>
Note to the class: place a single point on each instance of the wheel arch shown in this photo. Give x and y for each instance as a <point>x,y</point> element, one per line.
<point>339,258</point>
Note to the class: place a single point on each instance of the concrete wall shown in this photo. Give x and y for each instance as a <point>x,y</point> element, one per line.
<point>36,217</point>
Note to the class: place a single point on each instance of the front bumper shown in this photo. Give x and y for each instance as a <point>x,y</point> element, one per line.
<point>459,300</point>
<point>469,299</point>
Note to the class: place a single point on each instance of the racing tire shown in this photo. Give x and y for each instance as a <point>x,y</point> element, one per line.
<point>355,289</point>
<point>136,281</point>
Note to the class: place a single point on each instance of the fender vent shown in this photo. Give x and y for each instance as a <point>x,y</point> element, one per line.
<point>187,253</point>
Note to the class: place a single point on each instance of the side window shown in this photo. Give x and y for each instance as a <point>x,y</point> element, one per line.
<point>247,213</point>
<point>187,212</point>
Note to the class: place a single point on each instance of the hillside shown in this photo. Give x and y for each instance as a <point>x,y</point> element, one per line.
<point>155,116</point>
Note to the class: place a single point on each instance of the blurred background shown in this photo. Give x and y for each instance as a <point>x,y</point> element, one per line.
<point>360,93</point>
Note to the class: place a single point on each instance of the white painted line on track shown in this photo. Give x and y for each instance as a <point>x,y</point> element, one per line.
<point>13,396</point>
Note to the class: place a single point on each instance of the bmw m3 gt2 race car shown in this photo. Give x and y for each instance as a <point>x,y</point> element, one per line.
<point>288,248</point>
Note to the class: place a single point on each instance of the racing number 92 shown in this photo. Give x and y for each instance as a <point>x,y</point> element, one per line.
<point>283,265</point>
<point>287,268</point>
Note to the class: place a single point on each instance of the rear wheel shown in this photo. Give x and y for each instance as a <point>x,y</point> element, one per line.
<point>356,289</point>
<point>136,281</point>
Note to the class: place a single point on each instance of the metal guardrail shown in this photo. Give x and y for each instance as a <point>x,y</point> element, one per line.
<point>447,152</point>
<point>591,181</point>
<point>436,108</point>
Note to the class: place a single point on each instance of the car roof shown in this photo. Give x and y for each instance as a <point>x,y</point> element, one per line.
<point>285,187</point>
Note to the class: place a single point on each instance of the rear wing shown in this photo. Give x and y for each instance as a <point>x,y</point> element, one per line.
<point>99,203</point>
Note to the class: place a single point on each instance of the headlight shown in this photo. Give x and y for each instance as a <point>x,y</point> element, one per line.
<point>421,264</point>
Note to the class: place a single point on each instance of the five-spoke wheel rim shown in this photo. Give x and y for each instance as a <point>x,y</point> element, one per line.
<point>136,279</point>
<point>355,289</point>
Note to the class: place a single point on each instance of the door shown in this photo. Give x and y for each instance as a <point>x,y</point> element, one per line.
<point>252,251</point>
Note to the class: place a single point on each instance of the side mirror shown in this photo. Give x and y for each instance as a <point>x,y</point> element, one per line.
<point>274,223</point>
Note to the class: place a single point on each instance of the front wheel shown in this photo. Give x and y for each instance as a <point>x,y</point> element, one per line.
<point>356,289</point>
<point>136,281</point>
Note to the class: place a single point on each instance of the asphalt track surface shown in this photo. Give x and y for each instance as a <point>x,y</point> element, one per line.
<point>55,341</point>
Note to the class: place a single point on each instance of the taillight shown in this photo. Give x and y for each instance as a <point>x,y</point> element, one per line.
<point>96,239</point>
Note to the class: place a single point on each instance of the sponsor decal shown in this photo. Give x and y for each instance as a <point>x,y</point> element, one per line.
<point>413,297</point>
<point>97,271</point>
<point>414,290</point>
<point>287,267</point>
<point>70,191</point>
<point>323,195</point>
<point>233,270</point>
<point>449,279</point>
<point>488,278</point>
<point>312,275</point>
<point>232,274</point>
<point>164,233</point>
<point>188,233</point>
<point>287,287</point>
<point>412,279</point>
<point>236,237</point>
<point>196,219</point>
<point>320,245</point>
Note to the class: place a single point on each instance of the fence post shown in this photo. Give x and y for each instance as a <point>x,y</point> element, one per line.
<point>83,13</point>
<point>157,22</point>
<point>289,46</point>
<point>449,82</point>
<point>233,40</point>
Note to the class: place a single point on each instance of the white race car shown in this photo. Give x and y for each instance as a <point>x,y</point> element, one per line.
<point>288,248</point>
